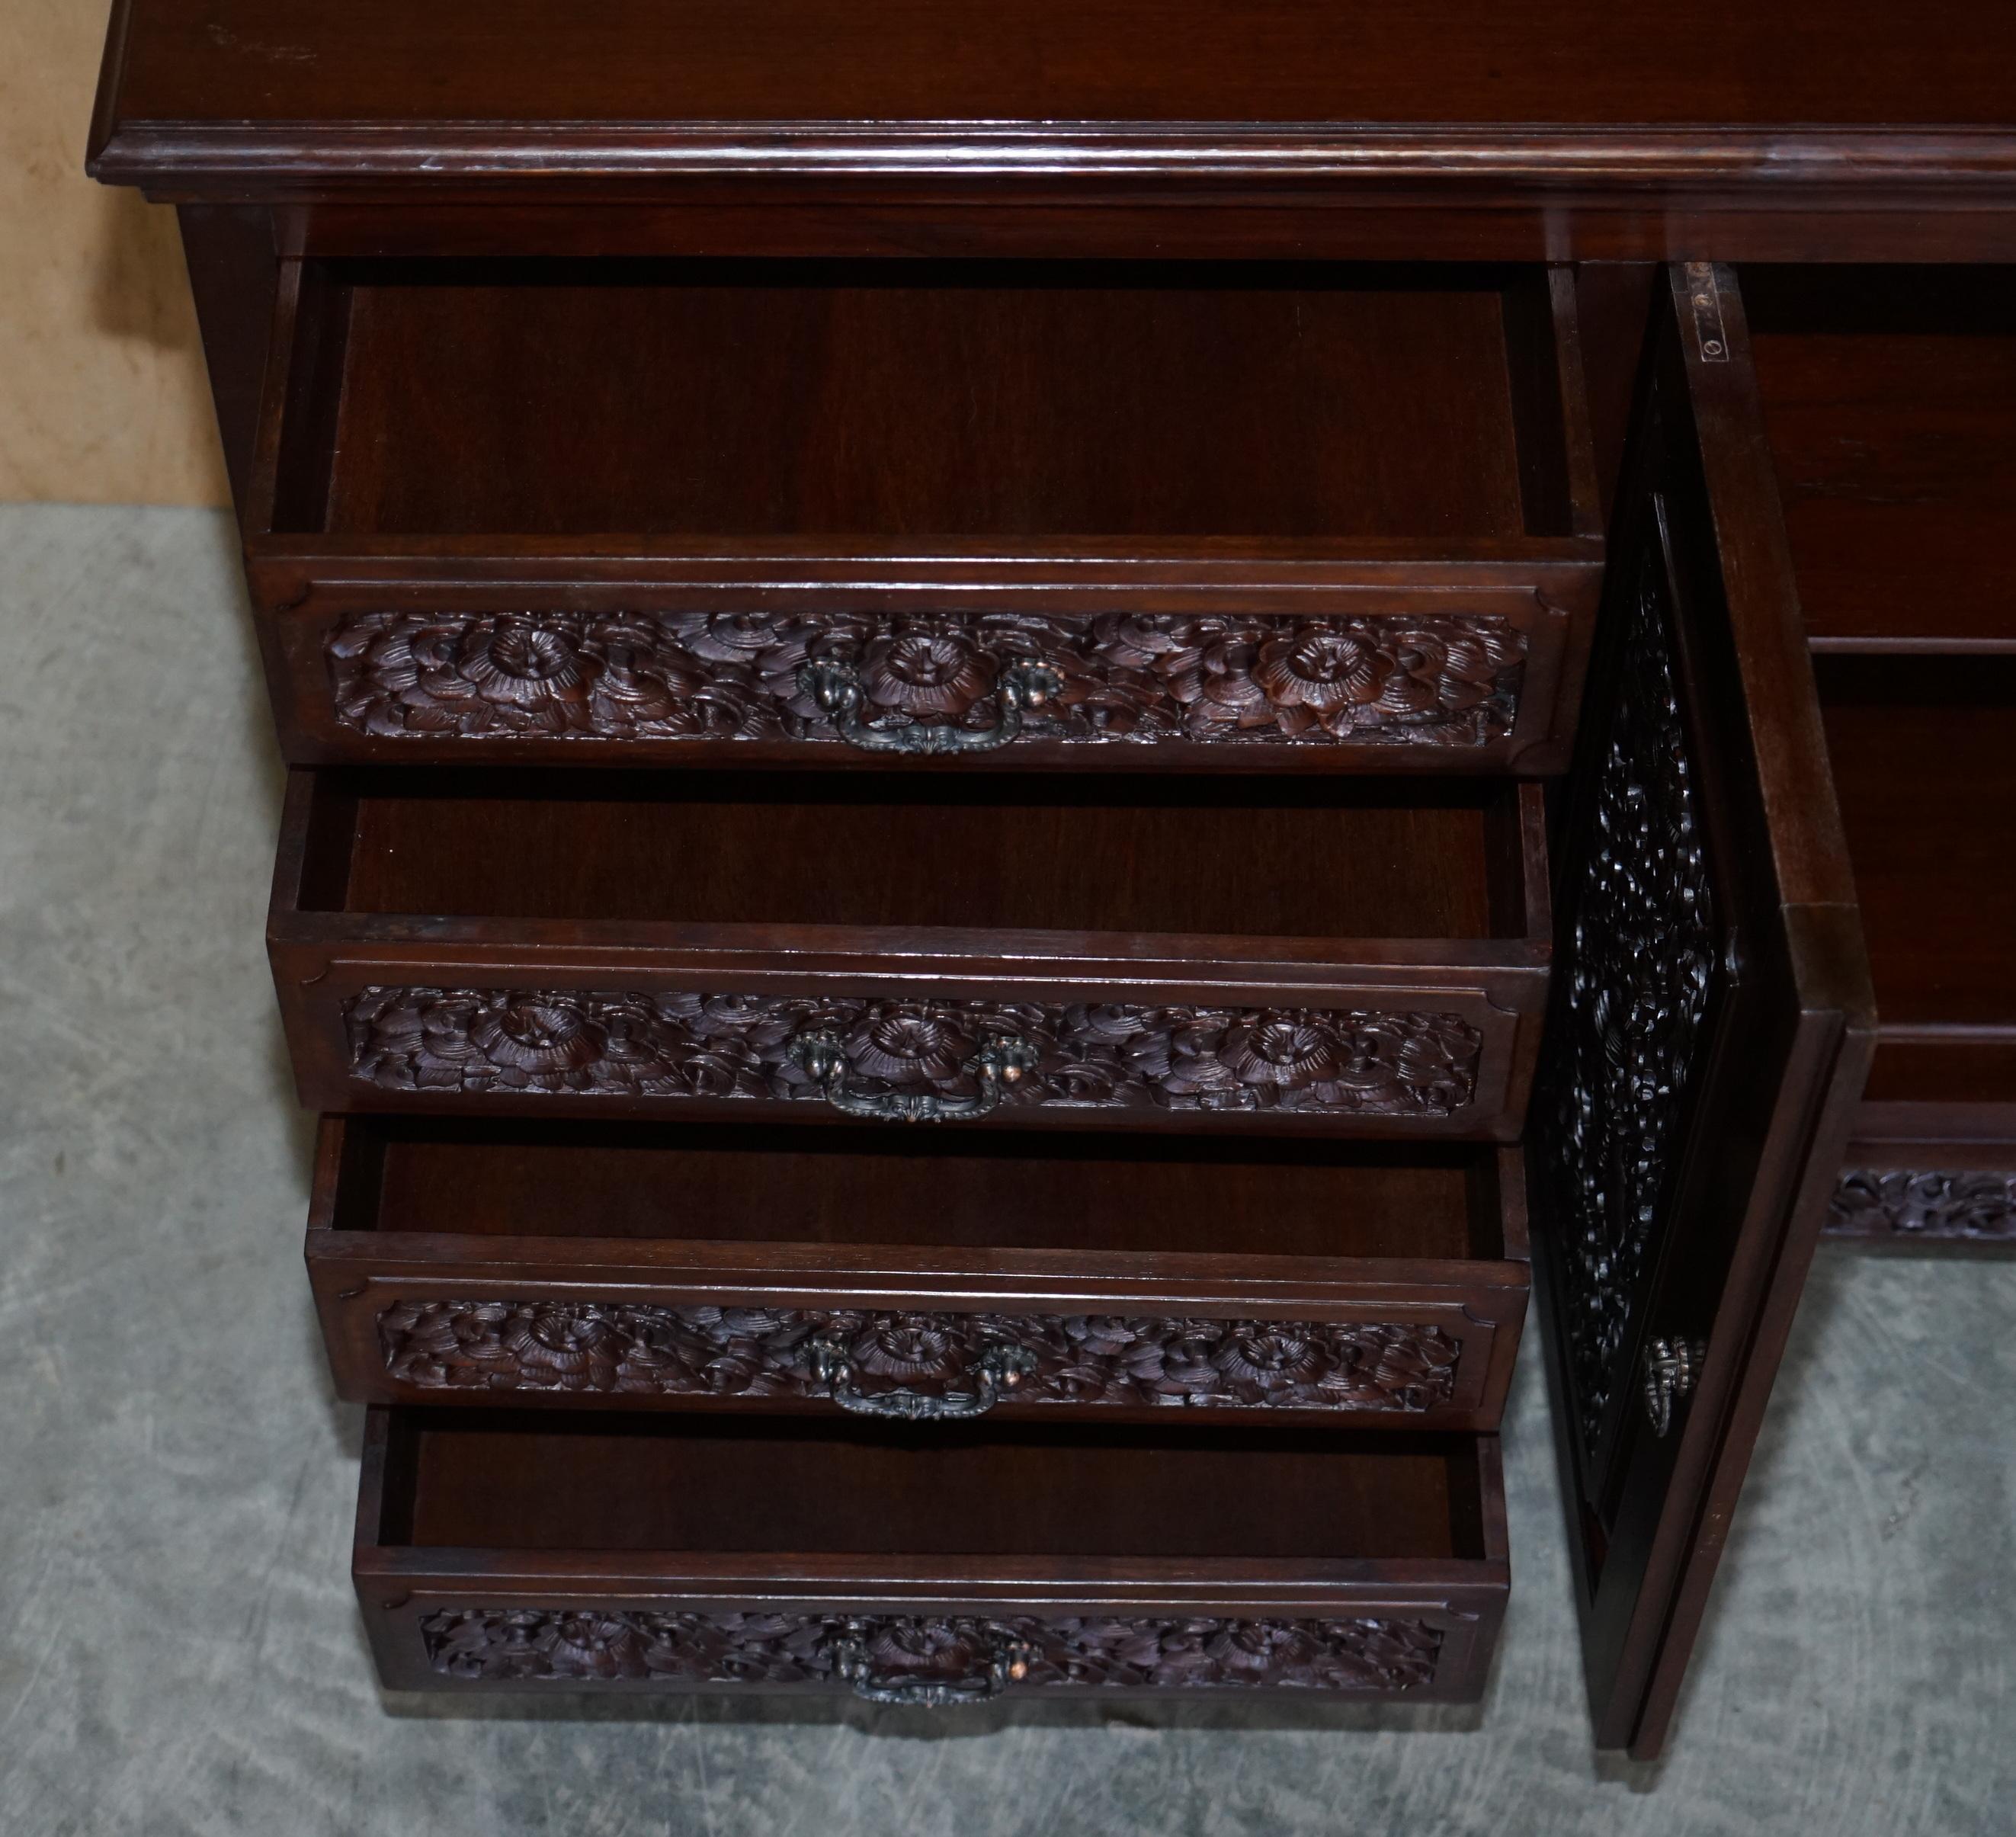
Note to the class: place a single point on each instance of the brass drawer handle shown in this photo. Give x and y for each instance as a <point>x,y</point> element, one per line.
<point>1007,1663</point>
<point>999,1369</point>
<point>821,1054</point>
<point>837,688</point>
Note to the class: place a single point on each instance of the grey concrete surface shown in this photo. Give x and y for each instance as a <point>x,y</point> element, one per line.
<point>178,1648</point>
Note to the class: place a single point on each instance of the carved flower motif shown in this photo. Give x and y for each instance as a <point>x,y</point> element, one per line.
<point>1217,685</point>
<point>561,1350</point>
<point>1290,1053</point>
<point>495,1644</point>
<point>634,690</point>
<point>593,1645</point>
<point>726,1067</point>
<point>1320,670</point>
<point>535,1036</point>
<point>641,1349</point>
<point>1474,657</point>
<point>755,1021</point>
<point>1264,1361</point>
<point>1452,680</point>
<point>907,1350</point>
<point>924,672</point>
<point>726,637</point>
<point>675,1043</point>
<point>1968,1204</point>
<point>904,1645</point>
<point>513,661</point>
<point>1260,1651</point>
<point>1139,641</point>
<point>909,1045</point>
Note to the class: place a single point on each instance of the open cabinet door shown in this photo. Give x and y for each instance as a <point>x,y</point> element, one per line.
<point>1712,1021</point>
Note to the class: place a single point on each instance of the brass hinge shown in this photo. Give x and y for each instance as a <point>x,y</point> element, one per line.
<point>1705,295</point>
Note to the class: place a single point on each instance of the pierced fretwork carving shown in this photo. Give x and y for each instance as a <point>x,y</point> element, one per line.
<point>1635,972</point>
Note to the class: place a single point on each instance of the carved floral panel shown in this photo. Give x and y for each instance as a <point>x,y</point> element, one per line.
<point>673,1044</point>
<point>637,1349</point>
<point>1389,679</point>
<point>1634,977</point>
<point>1967,1207</point>
<point>496,1645</point>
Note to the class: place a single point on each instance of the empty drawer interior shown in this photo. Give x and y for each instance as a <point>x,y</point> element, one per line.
<point>524,1480</point>
<point>1925,770</point>
<point>493,1181</point>
<point>925,399</point>
<point>1889,395</point>
<point>1371,858</point>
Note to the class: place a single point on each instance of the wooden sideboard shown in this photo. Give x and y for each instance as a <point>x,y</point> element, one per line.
<point>1357,651</point>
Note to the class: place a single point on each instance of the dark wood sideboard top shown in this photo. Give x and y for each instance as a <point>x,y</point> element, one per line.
<point>1615,125</point>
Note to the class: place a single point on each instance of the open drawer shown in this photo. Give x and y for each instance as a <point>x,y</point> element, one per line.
<point>1352,955</point>
<point>927,1275</point>
<point>683,1553</point>
<point>1051,513</point>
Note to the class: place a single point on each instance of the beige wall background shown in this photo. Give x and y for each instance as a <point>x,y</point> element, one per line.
<point>102,394</point>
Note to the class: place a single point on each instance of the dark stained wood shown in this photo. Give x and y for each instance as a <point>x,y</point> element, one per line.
<point>1614,301</point>
<point>1037,61</point>
<point>1032,86</point>
<point>1027,854</point>
<point>235,277</point>
<point>961,890</point>
<point>944,318</point>
<point>1922,757</point>
<point>1925,759</point>
<point>1846,211</point>
<point>537,1482</point>
<point>1463,668</point>
<point>660,1267</point>
<point>1946,1197</point>
<point>1711,955</point>
<point>914,400</point>
<point>1888,396</point>
<point>1024,454</point>
<point>462,1511</point>
<point>1360,1201</point>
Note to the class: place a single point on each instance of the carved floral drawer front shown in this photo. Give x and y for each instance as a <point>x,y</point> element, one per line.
<point>912,1059</point>
<point>915,1365</point>
<point>929,683</point>
<point>922,1659</point>
<point>1967,1205</point>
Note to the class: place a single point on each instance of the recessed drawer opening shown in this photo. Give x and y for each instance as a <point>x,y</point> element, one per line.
<point>1394,859</point>
<point>1925,772</point>
<point>1888,394</point>
<point>512,1481</point>
<point>1152,401</point>
<point>494,1181</point>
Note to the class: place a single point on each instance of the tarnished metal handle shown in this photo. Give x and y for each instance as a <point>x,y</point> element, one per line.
<point>1009,1664</point>
<point>998,1369</point>
<point>821,1054</point>
<point>1671,1366</point>
<point>837,688</point>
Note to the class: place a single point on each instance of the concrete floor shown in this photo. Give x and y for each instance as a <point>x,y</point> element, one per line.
<point>178,1647</point>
